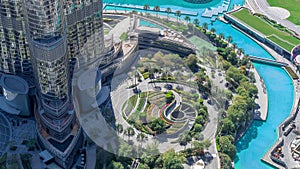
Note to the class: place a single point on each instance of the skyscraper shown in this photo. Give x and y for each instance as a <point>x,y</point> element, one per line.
<point>42,40</point>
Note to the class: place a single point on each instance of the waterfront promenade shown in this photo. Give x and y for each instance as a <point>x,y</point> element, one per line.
<point>261,111</point>
<point>287,139</point>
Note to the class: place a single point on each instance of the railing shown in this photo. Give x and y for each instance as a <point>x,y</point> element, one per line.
<point>268,61</point>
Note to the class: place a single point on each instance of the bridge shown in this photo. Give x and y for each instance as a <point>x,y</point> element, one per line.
<point>267,61</point>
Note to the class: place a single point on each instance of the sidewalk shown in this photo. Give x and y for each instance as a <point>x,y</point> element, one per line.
<point>261,112</point>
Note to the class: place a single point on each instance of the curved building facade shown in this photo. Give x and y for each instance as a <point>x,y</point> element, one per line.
<point>43,41</point>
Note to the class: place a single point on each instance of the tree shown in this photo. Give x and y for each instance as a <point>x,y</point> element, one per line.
<point>234,45</point>
<point>115,165</point>
<point>148,160</point>
<point>172,160</point>
<point>157,125</point>
<point>206,143</point>
<point>213,30</point>
<point>124,151</point>
<point>228,126</point>
<point>234,74</point>
<point>184,138</point>
<point>146,7</point>
<point>205,26</point>
<point>169,96</point>
<point>221,35</point>
<point>236,115</point>
<point>240,51</point>
<point>120,128</point>
<point>227,146</point>
<point>191,62</point>
<point>187,19</point>
<point>141,137</point>
<point>199,136</point>
<point>225,161</point>
<point>168,10</point>
<point>200,120</point>
<point>196,22</point>
<point>178,14</point>
<point>156,9</point>
<point>198,127</point>
<point>201,145</point>
<point>129,132</point>
<point>229,39</point>
<point>143,166</point>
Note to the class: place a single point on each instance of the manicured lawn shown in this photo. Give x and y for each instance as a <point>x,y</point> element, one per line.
<point>267,29</point>
<point>290,5</point>
<point>281,43</point>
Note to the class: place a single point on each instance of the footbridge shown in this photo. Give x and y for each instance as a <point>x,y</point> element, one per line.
<point>267,61</point>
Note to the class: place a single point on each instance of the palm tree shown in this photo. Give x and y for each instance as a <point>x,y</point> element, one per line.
<point>221,35</point>
<point>120,128</point>
<point>146,7</point>
<point>229,39</point>
<point>178,14</point>
<point>129,132</point>
<point>213,30</point>
<point>141,137</point>
<point>196,22</point>
<point>205,26</point>
<point>240,51</point>
<point>157,9</point>
<point>187,18</point>
<point>234,45</point>
<point>168,10</point>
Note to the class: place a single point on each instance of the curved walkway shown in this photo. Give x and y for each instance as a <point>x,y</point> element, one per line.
<point>119,97</point>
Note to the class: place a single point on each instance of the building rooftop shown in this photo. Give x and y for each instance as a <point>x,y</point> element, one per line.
<point>14,84</point>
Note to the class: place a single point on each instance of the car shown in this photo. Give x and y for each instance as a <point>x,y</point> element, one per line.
<point>157,87</point>
<point>168,86</point>
<point>179,87</point>
<point>136,90</point>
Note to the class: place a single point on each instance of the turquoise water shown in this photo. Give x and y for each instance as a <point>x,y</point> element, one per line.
<point>162,3</point>
<point>149,24</point>
<point>261,135</point>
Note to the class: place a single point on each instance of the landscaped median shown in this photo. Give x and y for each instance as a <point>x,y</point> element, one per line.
<point>274,32</point>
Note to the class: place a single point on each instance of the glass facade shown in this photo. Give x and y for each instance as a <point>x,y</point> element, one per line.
<point>40,40</point>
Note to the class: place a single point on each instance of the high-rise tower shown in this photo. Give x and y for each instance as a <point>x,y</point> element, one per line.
<point>43,40</point>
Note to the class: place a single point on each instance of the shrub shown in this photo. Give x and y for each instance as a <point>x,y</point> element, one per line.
<point>146,75</point>
<point>13,148</point>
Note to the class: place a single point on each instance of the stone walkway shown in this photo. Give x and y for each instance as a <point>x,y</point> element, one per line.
<point>261,112</point>
<point>120,28</point>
